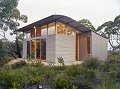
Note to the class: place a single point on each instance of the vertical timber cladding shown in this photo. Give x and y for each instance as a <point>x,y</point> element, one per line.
<point>77,47</point>
<point>65,47</point>
<point>83,52</point>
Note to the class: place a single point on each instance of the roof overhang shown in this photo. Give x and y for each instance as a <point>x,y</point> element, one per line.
<point>57,18</point>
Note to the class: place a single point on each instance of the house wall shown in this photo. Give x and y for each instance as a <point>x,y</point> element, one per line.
<point>83,45</point>
<point>60,46</point>
<point>24,48</point>
<point>99,46</point>
<point>50,48</point>
<point>65,47</point>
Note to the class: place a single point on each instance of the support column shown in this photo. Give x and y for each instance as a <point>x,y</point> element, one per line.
<point>35,43</point>
<point>55,27</point>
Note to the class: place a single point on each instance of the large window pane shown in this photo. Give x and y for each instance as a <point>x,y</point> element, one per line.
<point>43,49</point>
<point>33,32</point>
<point>61,28</point>
<point>51,28</point>
<point>88,45</point>
<point>28,49</point>
<point>70,31</point>
<point>27,34</point>
<point>38,31</point>
<point>44,30</point>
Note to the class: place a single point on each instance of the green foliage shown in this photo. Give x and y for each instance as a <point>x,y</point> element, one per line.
<point>61,60</point>
<point>2,52</point>
<point>107,84</point>
<point>111,30</point>
<point>87,23</point>
<point>92,74</point>
<point>6,6</point>
<point>10,18</point>
<point>74,70</point>
<point>5,59</point>
<point>19,64</point>
<point>33,55</point>
<point>92,63</point>
<point>61,83</point>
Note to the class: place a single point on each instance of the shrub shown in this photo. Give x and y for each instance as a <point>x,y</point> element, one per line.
<point>60,60</point>
<point>107,84</point>
<point>91,63</point>
<point>111,69</point>
<point>82,83</point>
<point>11,80</point>
<point>34,80</point>
<point>59,68</point>
<point>61,83</point>
<point>19,64</point>
<point>4,60</point>
<point>74,70</point>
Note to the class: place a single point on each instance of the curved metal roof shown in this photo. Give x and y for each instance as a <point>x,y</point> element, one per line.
<point>58,18</point>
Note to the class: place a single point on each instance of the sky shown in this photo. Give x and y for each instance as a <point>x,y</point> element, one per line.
<point>97,11</point>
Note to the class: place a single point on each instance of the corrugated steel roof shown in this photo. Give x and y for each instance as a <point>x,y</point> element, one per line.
<point>58,18</point>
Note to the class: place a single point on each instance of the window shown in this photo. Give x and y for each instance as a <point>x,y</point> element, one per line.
<point>33,44</point>
<point>61,28</point>
<point>38,31</point>
<point>33,32</point>
<point>88,45</point>
<point>28,48</point>
<point>70,31</point>
<point>28,34</point>
<point>44,30</point>
<point>51,28</point>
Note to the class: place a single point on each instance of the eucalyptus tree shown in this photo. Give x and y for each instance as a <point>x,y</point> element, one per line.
<point>10,18</point>
<point>111,30</point>
<point>87,23</point>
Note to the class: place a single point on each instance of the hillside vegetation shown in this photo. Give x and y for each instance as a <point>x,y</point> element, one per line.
<point>92,74</point>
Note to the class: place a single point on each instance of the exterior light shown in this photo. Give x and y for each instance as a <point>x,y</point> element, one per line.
<point>35,31</point>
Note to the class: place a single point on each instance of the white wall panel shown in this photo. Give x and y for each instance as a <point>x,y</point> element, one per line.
<point>24,48</point>
<point>99,46</point>
<point>65,47</point>
<point>50,48</point>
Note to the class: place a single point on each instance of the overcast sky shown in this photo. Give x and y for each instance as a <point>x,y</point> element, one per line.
<point>97,11</point>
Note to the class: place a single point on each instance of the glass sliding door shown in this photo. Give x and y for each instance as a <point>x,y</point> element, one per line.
<point>33,49</point>
<point>43,49</point>
<point>38,49</point>
<point>28,49</point>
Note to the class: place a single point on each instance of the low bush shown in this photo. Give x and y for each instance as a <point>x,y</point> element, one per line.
<point>19,64</point>
<point>4,60</point>
<point>61,83</point>
<point>92,63</point>
<point>92,74</point>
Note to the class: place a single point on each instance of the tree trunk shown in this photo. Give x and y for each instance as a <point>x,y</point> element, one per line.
<point>17,47</point>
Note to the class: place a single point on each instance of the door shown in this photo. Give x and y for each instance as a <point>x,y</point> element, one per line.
<point>43,49</point>
<point>38,49</point>
<point>77,47</point>
<point>28,49</point>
